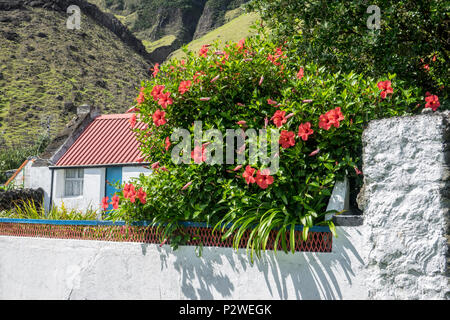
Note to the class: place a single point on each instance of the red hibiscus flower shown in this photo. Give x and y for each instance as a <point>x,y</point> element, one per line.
<point>115,201</point>
<point>279,118</point>
<point>105,203</point>
<point>330,118</point>
<point>132,120</point>
<point>287,139</point>
<point>304,130</point>
<point>263,178</point>
<point>248,175</point>
<point>432,102</point>
<point>132,194</point>
<point>358,172</point>
<point>141,98</point>
<point>240,44</point>
<point>300,73</point>
<point>426,67</point>
<point>184,86</point>
<point>203,51</point>
<point>199,154</point>
<point>155,69</point>
<point>164,99</point>
<point>142,195</point>
<point>167,143</point>
<point>156,91</point>
<point>126,190</point>
<point>155,165</point>
<point>385,87</point>
<point>159,118</point>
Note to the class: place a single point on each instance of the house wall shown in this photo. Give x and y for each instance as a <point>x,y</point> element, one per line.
<point>93,187</point>
<point>34,178</point>
<point>93,190</point>
<point>133,172</point>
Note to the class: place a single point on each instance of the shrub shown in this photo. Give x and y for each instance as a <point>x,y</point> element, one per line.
<point>412,40</point>
<point>254,83</point>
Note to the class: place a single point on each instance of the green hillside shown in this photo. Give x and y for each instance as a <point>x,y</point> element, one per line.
<point>234,30</point>
<point>165,25</point>
<point>47,70</point>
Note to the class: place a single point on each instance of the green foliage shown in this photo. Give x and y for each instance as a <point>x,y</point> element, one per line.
<point>12,158</point>
<point>29,210</point>
<point>239,82</point>
<point>335,34</point>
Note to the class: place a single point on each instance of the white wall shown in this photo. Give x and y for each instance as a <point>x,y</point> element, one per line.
<point>133,172</point>
<point>93,190</point>
<point>38,268</point>
<point>35,177</point>
<point>406,206</point>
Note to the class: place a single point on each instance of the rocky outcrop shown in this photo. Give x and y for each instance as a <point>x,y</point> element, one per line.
<point>9,199</point>
<point>213,15</point>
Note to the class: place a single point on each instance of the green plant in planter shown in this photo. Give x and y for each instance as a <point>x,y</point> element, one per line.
<point>253,84</point>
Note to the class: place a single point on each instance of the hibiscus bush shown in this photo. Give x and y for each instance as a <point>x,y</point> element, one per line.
<point>258,84</point>
<point>412,40</point>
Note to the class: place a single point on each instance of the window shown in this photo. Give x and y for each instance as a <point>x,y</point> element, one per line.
<point>73,182</point>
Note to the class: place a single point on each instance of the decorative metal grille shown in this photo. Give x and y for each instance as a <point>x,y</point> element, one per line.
<point>319,238</point>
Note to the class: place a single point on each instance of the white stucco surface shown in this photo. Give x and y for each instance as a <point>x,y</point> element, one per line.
<point>131,172</point>
<point>34,178</point>
<point>38,268</point>
<point>406,206</point>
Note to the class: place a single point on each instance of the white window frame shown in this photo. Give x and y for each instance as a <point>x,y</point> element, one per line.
<point>76,178</point>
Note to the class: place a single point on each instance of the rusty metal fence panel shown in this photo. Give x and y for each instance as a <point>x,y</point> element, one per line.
<point>319,238</point>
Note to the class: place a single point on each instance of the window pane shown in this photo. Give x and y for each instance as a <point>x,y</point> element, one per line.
<point>71,173</point>
<point>68,188</point>
<point>73,184</point>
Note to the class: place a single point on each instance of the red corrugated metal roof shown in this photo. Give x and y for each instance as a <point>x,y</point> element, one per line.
<point>108,139</point>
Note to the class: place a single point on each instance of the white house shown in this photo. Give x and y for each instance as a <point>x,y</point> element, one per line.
<point>81,165</point>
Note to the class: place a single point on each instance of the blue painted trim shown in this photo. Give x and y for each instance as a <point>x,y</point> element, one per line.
<point>136,223</point>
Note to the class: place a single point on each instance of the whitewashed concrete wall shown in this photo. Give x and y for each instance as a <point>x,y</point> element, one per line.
<point>34,178</point>
<point>406,206</point>
<point>32,268</point>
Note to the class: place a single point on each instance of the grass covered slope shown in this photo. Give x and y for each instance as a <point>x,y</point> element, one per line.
<point>165,25</point>
<point>46,70</point>
<point>234,30</point>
